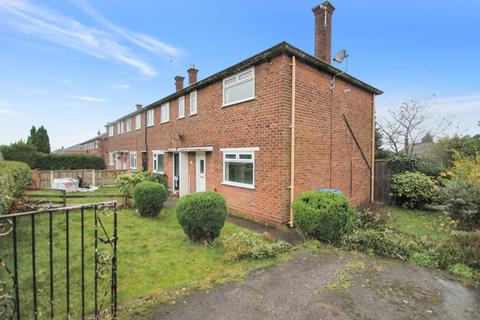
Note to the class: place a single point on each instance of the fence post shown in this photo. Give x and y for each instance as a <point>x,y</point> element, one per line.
<point>51,179</point>
<point>93,178</point>
<point>64,195</point>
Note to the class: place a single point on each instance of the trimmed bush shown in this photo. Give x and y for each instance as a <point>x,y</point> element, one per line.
<point>460,247</point>
<point>463,197</point>
<point>14,178</point>
<point>27,153</point>
<point>387,243</point>
<point>202,215</point>
<point>412,189</point>
<point>251,246</point>
<point>126,182</point>
<point>148,198</point>
<point>324,215</point>
<point>400,163</point>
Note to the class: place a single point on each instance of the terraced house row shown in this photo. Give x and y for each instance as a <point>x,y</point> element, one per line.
<point>259,132</point>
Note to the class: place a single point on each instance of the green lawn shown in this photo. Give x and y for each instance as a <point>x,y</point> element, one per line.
<point>154,256</point>
<point>431,224</point>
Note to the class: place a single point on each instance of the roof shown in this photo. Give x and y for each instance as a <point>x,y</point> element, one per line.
<point>80,146</point>
<point>279,49</point>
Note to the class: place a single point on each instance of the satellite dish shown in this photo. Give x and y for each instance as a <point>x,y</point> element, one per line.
<point>340,56</point>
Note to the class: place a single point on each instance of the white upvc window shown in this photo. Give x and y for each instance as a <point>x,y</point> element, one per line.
<point>129,124</point>
<point>118,128</point>
<point>150,118</point>
<point>239,88</point>
<point>165,112</point>
<point>181,107</point>
<point>111,158</point>
<point>133,160</point>
<point>239,167</point>
<point>110,131</point>
<point>193,103</point>
<point>138,121</point>
<point>158,161</point>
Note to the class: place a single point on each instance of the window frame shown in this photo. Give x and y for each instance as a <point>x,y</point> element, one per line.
<point>237,82</point>
<point>154,161</point>
<point>194,97</point>
<point>128,124</point>
<point>181,106</point>
<point>164,106</point>
<point>237,152</point>
<point>138,122</point>
<point>152,122</point>
<point>110,130</point>
<point>133,153</point>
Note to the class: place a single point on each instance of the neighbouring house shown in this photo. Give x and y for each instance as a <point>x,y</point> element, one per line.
<point>259,132</point>
<point>96,146</point>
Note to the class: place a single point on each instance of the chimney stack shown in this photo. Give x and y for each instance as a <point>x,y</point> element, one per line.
<point>323,31</point>
<point>179,83</point>
<point>139,106</point>
<point>192,75</point>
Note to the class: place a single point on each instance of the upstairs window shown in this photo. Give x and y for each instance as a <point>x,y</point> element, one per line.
<point>239,88</point>
<point>138,121</point>
<point>165,112</point>
<point>110,131</point>
<point>181,107</point>
<point>193,103</point>
<point>129,124</point>
<point>149,117</point>
<point>118,128</point>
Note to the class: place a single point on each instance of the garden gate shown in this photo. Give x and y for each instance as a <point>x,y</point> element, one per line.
<point>59,263</point>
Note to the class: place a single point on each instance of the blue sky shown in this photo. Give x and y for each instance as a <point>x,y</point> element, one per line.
<point>74,65</point>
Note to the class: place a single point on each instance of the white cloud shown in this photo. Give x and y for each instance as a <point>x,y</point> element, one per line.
<point>66,81</point>
<point>464,110</point>
<point>65,31</point>
<point>90,99</point>
<point>120,86</point>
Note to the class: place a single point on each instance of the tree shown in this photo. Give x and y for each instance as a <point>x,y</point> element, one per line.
<point>428,138</point>
<point>380,153</point>
<point>43,141</point>
<point>32,138</point>
<point>39,139</point>
<point>404,127</point>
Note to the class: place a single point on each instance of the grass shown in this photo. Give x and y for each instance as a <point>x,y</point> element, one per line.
<point>154,256</point>
<point>431,224</point>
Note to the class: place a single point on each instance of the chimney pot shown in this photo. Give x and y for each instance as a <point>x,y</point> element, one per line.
<point>179,83</point>
<point>139,106</point>
<point>323,31</point>
<point>192,75</point>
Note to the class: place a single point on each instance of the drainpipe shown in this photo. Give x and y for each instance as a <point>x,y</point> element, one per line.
<point>372,166</point>
<point>292,144</point>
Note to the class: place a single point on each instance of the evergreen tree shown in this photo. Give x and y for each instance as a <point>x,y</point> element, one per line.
<point>42,140</point>
<point>32,138</point>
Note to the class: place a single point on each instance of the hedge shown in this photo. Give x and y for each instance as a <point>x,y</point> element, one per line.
<point>14,177</point>
<point>27,153</point>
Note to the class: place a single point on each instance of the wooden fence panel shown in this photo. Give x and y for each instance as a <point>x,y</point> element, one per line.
<point>90,176</point>
<point>383,175</point>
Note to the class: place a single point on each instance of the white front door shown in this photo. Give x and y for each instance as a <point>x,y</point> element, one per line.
<point>200,172</point>
<point>183,174</point>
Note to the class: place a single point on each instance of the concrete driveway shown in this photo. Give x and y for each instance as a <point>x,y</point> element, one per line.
<point>331,284</point>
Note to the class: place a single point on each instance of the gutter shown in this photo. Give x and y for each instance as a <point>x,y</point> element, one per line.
<point>292,143</point>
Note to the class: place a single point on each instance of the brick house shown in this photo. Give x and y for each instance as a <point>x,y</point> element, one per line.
<point>95,146</point>
<point>259,132</point>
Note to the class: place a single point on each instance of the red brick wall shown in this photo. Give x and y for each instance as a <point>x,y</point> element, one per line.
<point>320,117</point>
<point>264,123</point>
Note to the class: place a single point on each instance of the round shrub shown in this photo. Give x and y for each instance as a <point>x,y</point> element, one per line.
<point>412,189</point>
<point>324,215</point>
<point>202,215</point>
<point>148,198</point>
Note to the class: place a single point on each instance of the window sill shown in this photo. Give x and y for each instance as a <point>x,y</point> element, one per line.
<point>162,122</point>
<point>151,125</point>
<point>237,102</point>
<point>193,114</point>
<point>239,185</point>
<point>181,118</point>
